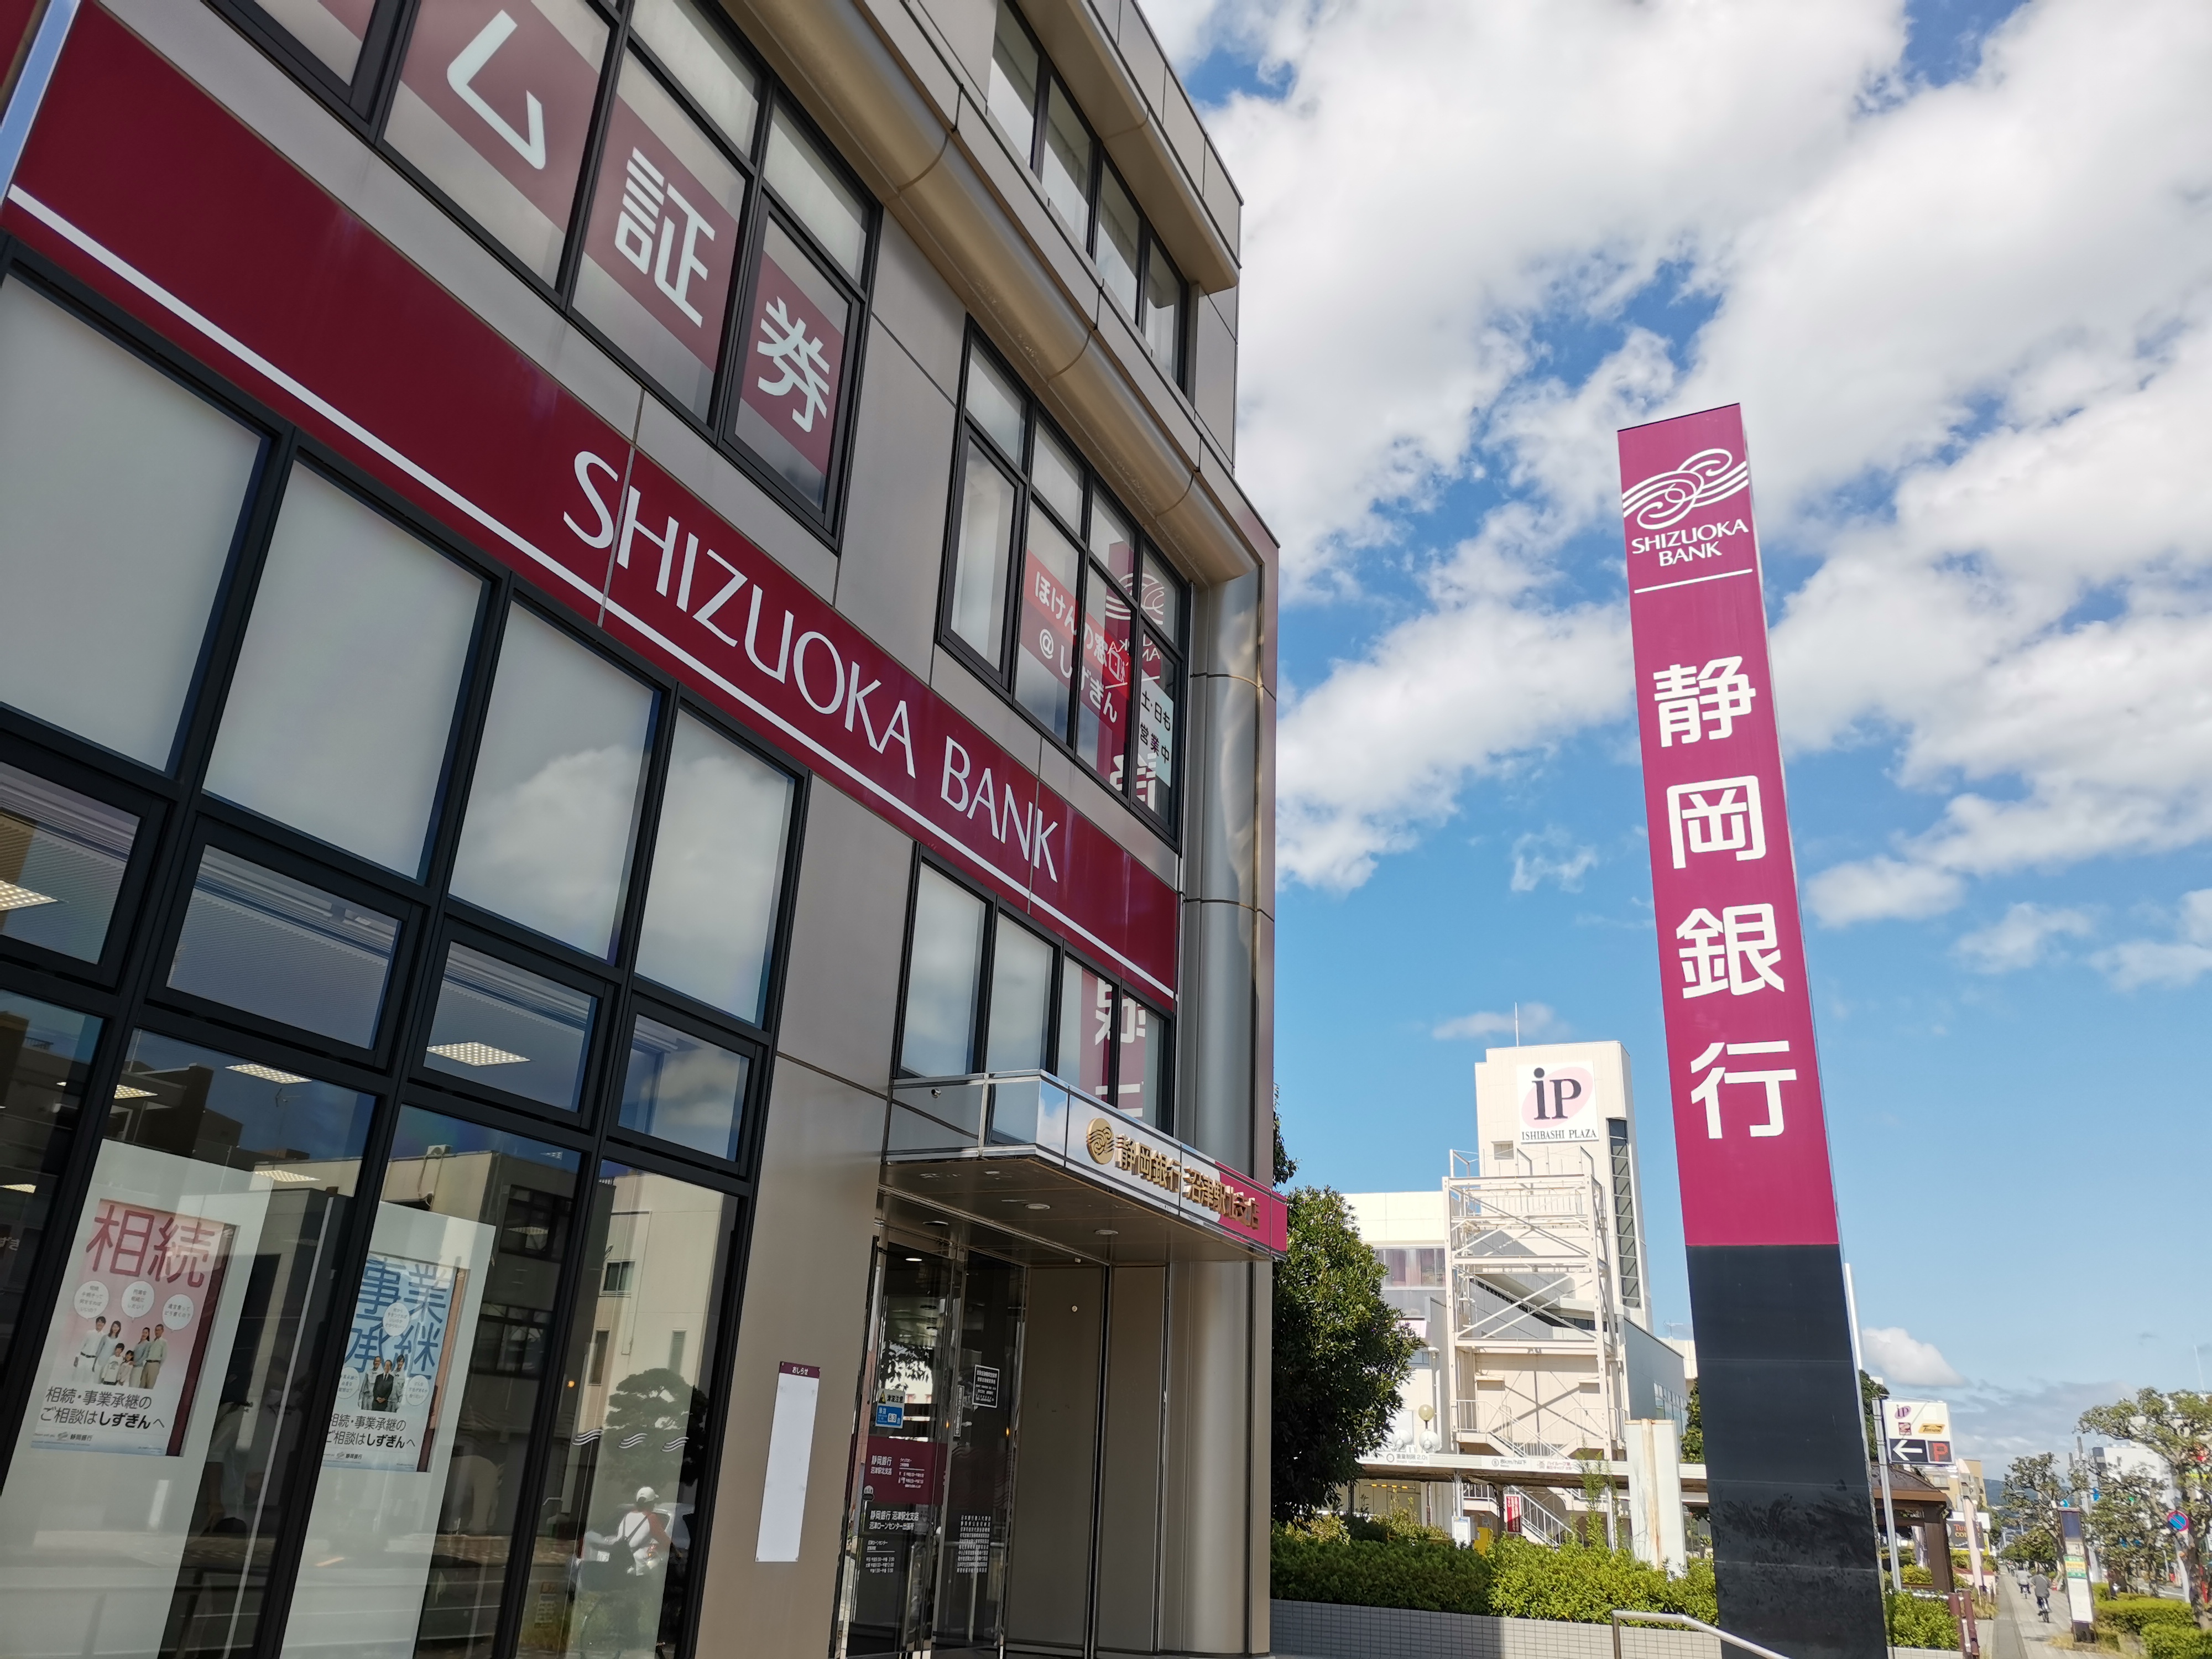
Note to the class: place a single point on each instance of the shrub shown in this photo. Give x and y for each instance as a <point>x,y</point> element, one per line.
<point>1319,1562</point>
<point>2174,1641</point>
<point>1919,1577</point>
<point>1585,1583</point>
<point>2136,1613</point>
<point>1916,1622</point>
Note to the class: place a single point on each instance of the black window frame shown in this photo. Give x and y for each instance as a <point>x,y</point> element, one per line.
<point>126,989</point>
<point>1178,372</point>
<point>364,104</point>
<point>998,913</point>
<point>969,433</point>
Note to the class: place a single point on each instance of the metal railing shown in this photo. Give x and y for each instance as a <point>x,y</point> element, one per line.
<point>1683,1621</point>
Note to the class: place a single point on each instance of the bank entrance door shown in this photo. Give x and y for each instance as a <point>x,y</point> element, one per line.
<point>926,1565</point>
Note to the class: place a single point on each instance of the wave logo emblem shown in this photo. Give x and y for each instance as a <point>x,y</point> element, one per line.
<point>1099,1142</point>
<point>1665,498</point>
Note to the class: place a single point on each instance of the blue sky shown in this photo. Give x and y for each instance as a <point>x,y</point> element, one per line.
<point>1478,240</point>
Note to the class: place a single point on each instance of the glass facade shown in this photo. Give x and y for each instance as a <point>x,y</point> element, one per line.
<point>384,973</point>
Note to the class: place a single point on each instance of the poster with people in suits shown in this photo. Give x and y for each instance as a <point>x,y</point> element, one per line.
<point>124,1353</point>
<point>397,1359</point>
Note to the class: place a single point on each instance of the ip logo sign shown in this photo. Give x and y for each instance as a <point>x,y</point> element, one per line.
<point>1558,1104</point>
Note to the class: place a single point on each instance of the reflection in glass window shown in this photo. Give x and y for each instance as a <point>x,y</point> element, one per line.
<point>118,482</point>
<point>1112,541</point>
<point>332,29</point>
<point>1012,96</point>
<point>340,711</point>
<point>979,558</point>
<point>994,404</point>
<point>1162,598</point>
<point>1163,318</point>
<point>612,1570</point>
<point>938,1039</point>
<point>704,63</point>
<point>1086,1028</point>
<point>195,1298</point>
<point>1068,151</point>
<point>717,870</point>
<point>281,949</point>
<point>507,1027</point>
<point>1044,659</point>
<point>1021,1001</point>
<point>1155,730</point>
<point>495,108</point>
<point>683,1089</point>
<point>1103,723</point>
<point>814,191</point>
<point>44,1052</point>
<point>1057,476</point>
<point>62,858</point>
<point>429,1436</point>
<point>788,389</point>
<point>1121,240</point>
<point>554,804</point>
<point>662,245</point>
<point>1137,1066</point>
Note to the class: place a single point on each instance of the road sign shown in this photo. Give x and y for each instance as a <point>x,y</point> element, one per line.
<point>2177,1521</point>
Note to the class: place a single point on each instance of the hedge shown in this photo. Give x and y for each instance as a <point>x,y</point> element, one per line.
<point>2166,1641</point>
<point>1388,1565</point>
<point>1585,1583</point>
<point>1375,1572</point>
<point>1916,1622</point>
<point>2137,1613</point>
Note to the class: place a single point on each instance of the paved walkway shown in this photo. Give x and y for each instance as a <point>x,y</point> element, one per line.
<point>2017,1634</point>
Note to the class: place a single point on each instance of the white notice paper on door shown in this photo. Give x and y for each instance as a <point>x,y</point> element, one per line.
<point>790,1448</point>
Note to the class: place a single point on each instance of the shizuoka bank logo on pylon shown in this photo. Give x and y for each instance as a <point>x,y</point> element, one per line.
<point>1662,501</point>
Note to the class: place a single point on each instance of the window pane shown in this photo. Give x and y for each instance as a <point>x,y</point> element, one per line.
<point>717,869</point>
<point>339,714</point>
<point>1014,93</point>
<point>1067,163</point>
<point>281,949</point>
<point>1433,1266</point>
<point>505,1026</point>
<point>62,858</point>
<point>995,404</point>
<point>1086,1022</point>
<point>787,394</point>
<point>332,29</point>
<point>1021,1000</point>
<point>1057,476</point>
<point>1162,597</point>
<point>683,1089</point>
<point>142,483</point>
<point>662,245</point>
<point>424,1466</point>
<point>554,806</point>
<point>1044,665</point>
<point>1162,322</point>
<point>614,1564</point>
<point>701,57</point>
<point>1103,720</point>
<point>1112,540</point>
<point>494,106</point>
<point>1155,730</point>
<point>979,570</point>
<point>797,171</point>
<point>1121,233</point>
<point>940,1037</point>
<point>201,1278</point>
<point>1137,1071</point>
<point>44,1052</point>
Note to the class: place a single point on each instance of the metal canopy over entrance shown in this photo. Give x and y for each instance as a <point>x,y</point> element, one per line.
<point>1035,1160</point>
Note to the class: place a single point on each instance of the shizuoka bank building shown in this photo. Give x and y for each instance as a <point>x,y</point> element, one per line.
<point>636,710</point>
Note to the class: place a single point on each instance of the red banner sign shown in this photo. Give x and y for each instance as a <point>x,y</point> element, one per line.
<point>1749,1135</point>
<point>141,185</point>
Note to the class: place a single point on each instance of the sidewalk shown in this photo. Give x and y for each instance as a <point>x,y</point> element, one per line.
<point>2016,1632</point>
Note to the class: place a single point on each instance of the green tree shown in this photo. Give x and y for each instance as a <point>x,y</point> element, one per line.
<point>2033,1488</point>
<point>1339,1354</point>
<point>2127,1523</point>
<point>1286,1165</point>
<point>2176,1428</point>
<point>1871,1395</point>
<point>1693,1430</point>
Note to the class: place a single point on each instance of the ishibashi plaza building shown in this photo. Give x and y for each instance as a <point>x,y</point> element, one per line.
<point>636,732</point>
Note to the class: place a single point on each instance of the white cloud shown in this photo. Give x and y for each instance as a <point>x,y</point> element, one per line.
<point>2182,960</point>
<point>1896,1356</point>
<point>1525,1021</point>
<point>2016,939</point>
<point>1554,856</point>
<point>1971,326</point>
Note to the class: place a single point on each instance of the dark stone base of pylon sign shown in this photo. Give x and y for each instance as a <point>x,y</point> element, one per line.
<point>1785,1456</point>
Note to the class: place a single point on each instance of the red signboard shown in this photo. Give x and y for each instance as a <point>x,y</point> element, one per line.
<point>1749,1135</point>
<point>145,189</point>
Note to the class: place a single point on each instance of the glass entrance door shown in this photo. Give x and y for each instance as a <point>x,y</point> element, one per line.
<point>927,1565</point>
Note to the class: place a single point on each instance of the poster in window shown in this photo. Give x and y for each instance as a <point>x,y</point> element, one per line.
<point>399,1356</point>
<point>124,1350</point>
